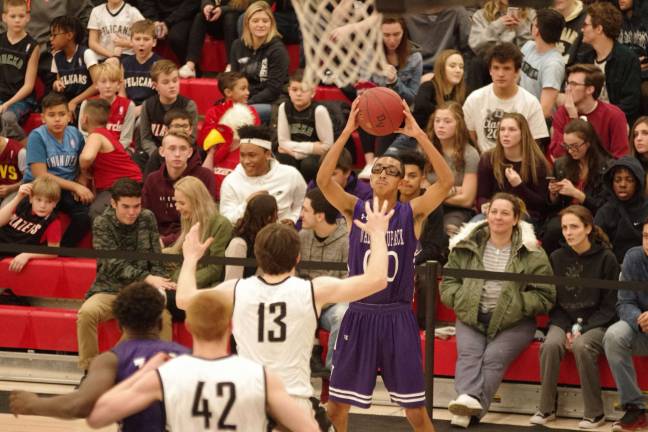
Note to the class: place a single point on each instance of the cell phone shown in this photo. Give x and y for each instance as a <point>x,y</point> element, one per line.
<point>512,11</point>
<point>551,179</point>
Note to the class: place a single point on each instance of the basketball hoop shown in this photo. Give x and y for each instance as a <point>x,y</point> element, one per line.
<point>343,40</point>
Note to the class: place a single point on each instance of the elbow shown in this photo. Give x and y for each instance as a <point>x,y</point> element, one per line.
<point>81,409</point>
<point>181,301</point>
<point>95,421</point>
<point>380,282</point>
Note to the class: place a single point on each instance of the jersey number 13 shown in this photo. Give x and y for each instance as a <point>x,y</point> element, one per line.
<point>277,332</point>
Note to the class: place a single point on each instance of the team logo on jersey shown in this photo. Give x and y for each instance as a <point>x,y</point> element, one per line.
<point>73,143</point>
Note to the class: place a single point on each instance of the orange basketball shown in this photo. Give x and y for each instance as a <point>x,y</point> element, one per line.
<point>380,111</point>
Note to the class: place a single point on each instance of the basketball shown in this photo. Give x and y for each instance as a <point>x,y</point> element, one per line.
<point>380,111</point>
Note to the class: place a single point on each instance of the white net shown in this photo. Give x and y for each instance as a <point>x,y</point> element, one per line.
<point>342,40</point>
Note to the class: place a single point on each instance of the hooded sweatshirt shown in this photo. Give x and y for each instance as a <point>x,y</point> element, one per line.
<point>597,307</point>
<point>634,31</point>
<point>621,220</point>
<point>266,68</point>
<point>157,196</point>
<point>334,248</point>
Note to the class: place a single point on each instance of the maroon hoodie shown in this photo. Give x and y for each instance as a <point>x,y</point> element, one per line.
<point>157,196</point>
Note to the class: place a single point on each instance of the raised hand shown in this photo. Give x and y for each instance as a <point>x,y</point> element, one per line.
<point>377,218</point>
<point>192,247</point>
<point>411,128</point>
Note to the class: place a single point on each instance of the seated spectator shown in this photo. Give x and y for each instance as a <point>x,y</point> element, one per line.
<point>261,210</point>
<point>601,29</point>
<point>634,35</point>
<point>485,107</point>
<point>628,337</point>
<point>123,226</point>
<point>639,147</point>
<point>495,319</point>
<point>447,84</point>
<point>582,91</point>
<point>258,171</point>
<point>173,19</point>
<point>103,158</point>
<point>158,193</point>
<point>12,166</point>
<point>324,240</point>
<point>304,128</point>
<point>580,316</point>
<point>516,165</point>
<point>121,121</point>
<point>53,149</point>
<point>138,84</point>
<point>72,63</point>
<point>543,68</point>
<point>176,120</point>
<point>622,215</point>
<point>262,57</point>
<point>574,14</point>
<point>18,71</point>
<point>448,132</point>
<point>30,218</point>
<point>344,175</point>
<point>577,178</point>
<point>109,28</point>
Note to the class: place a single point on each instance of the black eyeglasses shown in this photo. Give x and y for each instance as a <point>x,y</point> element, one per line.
<point>389,169</point>
<point>570,147</point>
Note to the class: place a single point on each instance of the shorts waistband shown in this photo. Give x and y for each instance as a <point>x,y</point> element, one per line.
<point>380,307</point>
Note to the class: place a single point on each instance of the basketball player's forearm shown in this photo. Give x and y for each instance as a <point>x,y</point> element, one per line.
<point>439,165</point>
<point>186,283</point>
<point>330,160</point>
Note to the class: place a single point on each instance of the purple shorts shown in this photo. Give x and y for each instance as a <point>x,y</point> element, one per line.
<point>376,337</point>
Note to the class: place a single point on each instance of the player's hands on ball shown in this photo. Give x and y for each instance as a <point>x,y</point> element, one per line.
<point>192,247</point>
<point>20,401</point>
<point>377,218</point>
<point>411,128</point>
<point>352,121</point>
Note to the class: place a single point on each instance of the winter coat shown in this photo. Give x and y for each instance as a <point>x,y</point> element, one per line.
<point>597,307</point>
<point>623,221</point>
<point>335,248</point>
<point>517,301</point>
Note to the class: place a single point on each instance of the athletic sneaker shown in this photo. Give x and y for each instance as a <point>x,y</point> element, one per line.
<point>465,405</point>
<point>186,72</point>
<point>634,419</point>
<point>542,418</point>
<point>592,423</point>
<point>461,421</point>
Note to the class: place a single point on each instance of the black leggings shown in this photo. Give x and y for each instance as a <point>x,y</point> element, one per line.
<point>223,28</point>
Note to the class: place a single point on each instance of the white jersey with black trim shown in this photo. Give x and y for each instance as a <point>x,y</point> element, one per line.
<point>228,393</point>
<point>274,324</point>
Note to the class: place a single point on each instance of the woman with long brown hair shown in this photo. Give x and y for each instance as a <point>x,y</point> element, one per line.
<point>639,146</point>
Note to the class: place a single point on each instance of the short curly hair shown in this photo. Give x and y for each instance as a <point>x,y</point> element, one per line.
<point>138,307</point>
<point>608,16</point>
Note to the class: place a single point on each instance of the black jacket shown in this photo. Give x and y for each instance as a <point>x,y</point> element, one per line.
<point>634,31</point>
<point>265,68</point>
<point>622,78</point>
<point>597,307</point>
<point>622,221</point>
<point>169,11</point>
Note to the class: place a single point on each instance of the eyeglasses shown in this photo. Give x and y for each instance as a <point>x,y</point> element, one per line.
<point>574,83</point>
<point>570,147</point>
<point>53,35</point>
<point>389,170</point>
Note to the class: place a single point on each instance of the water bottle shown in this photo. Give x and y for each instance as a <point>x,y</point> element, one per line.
<point>577,328</point>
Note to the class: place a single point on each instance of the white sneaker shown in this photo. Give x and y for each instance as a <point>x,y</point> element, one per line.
<point>592,423</point>
<point>465,405</point>
<point>365,174</point>
<point>461,421</point>
<point>540,418</point>
<point>186,72</point>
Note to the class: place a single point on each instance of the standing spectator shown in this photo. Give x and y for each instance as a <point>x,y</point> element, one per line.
<point>123,226</point>
<point>570,40</point>
<point>485,107</point>
<point>601,29</point>
<point>258,171</point>
<point>173,19</point>
<point>639,147</point>
<point>448,132</point>
<point>262,57</point>
<point>19,56</point>
<point>543,68</point>
<point>580,315</point>
<point>109,28</point>
<point>634,34</point>
<point>582,92</point>
<point>495,319</point>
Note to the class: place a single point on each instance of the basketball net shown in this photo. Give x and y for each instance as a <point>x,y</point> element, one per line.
<point>343,41</point>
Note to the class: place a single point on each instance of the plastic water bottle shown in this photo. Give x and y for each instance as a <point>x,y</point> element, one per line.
<point>577,328</point>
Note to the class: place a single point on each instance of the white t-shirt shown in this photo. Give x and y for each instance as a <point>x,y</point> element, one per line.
<point>483,111</point>
<point>541,70</point>
<point>113,23</point>
<point>604,94</point>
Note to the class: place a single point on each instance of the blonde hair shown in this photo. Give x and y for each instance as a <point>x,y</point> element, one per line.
<point>258,6</point>
<point>109,70</point>
<point>163,66</point>
<point>144,26</point>
<point>493,9</point>
<point>209,315</point>
<point>45,186</point>
<point>203,208</point>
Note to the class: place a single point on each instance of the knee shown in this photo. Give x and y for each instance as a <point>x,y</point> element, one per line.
<point>9,117</point>
<point>337,411</point>
<point>618,339</point>
<point>87,315</point>
<point>551,348</point>
<point>581,348</point>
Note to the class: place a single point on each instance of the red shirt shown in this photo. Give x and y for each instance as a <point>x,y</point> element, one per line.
<point>108,167</point>
<point>9,172</point>
<point>53,232</point>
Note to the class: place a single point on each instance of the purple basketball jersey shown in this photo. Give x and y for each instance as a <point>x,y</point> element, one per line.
<point>401,246</point>
<point>131,355</point>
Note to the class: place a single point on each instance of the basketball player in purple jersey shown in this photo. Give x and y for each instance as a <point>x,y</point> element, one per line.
<point>380,331</point>
<point>138,309</point>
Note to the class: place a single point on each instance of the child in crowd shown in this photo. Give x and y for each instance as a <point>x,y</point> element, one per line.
<point>138,85</point>
<point>109,28</point>
<point>19,54</point>
<point>166,82</point>
<point>222,144</point>
<point>12,166</point>
<point>121,122</point>
<point>176,120</point>
<point>103,158</point>
<point>72,62</point>
<point>304,128</point>
<point>53,151</point>
<point>30,218</point>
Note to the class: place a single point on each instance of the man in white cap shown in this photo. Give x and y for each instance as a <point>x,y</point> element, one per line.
<point>258,171</point>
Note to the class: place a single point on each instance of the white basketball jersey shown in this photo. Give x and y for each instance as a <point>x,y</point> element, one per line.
<point>274,324</point>
<point>214,395</point>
